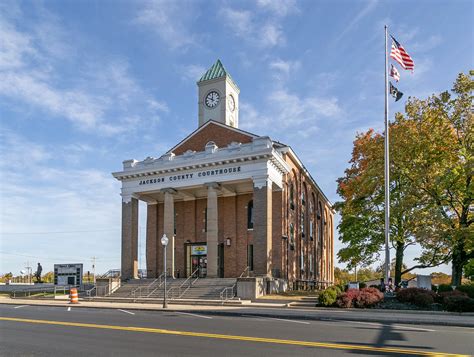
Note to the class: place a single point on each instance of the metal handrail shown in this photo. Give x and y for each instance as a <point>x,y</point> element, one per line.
<point>161,280</point>
<point>233,287</point>
<point>187,284</point>
<point>245,270</point>
<point>139,290</point>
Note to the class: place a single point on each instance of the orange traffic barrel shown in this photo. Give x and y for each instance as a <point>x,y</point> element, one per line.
<point>73,296</point>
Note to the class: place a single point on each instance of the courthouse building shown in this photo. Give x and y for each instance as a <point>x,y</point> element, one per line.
<point>230,201</point>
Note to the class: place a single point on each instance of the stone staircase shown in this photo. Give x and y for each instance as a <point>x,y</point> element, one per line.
<point>126,288</point>
<point>202,289</point>
<point>305,302</point>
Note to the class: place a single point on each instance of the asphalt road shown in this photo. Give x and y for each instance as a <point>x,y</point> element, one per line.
<point>71,331</point>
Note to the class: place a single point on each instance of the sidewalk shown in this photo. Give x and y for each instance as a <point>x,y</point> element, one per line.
<point>276,310</point>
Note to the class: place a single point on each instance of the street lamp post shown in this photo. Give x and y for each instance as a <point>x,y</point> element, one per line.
<point>164,243</point>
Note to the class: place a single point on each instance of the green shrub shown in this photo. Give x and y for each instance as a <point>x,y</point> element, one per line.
<point>459,304</point>
<point>468,289</point>
<point>362,285</point>
<point>328,297</point>
<point>442,288</point>
<point>336,288</point>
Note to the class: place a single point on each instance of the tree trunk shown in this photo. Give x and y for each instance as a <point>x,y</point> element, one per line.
<point>459,260</point>
<point>460,256</point>
<point>399,262</point>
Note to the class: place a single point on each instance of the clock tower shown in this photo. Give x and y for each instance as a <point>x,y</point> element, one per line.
<point>218,97</point>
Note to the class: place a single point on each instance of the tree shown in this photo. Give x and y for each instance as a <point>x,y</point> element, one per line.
<point>431,168</point>
<point>362,211</point>
<point>439,165</point>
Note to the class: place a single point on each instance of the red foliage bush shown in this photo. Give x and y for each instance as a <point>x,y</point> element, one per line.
<point>368,297</point>
<point>412,296</point>
<point>459,303</point>
<point>447,294</point>
<point>346,300</point>
<point>423,300</point>
<point>363,298</point>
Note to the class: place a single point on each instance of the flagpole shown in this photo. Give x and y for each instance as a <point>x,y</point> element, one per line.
<point>387,171</point>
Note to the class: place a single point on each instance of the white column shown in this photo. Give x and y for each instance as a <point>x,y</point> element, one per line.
<point>212,229</point>
<point>168,228</point>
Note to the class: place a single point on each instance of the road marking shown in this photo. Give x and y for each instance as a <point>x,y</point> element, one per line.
<point>69,308</point>
<point>397,327</point>
<point>20,306</point>
<point>337,346</point>
<point>127,312</point>
<point>190,314</point>
<point>287,320</point>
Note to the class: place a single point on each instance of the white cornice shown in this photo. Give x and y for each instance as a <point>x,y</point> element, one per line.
<point>260,149</point>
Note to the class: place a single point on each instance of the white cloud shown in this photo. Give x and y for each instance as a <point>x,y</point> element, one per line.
<point>282,69</point>
<point>169,20</point>
<point>279,7</point>
<point>426,45</point>
<point>99,96</point>
<point>41,192</point>
<point>262,31</point>
<point>368,7</point>
<point>191,72</point>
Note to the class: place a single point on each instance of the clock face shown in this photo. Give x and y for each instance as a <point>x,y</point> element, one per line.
<point>231,103</point>
<point>212,99</point>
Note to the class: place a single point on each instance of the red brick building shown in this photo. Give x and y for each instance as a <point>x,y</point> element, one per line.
<point>228,200</point>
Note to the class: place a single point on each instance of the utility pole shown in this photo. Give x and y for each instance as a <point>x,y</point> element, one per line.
<point>28,271</point>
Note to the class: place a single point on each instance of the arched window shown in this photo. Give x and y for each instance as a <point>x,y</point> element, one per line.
<point>250,215</point>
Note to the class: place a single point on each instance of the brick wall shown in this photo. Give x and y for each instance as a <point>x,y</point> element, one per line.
<point>212,132</point>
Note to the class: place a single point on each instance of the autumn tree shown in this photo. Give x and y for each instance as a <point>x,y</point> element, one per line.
<point>438,134</point>
<point>431,151</point>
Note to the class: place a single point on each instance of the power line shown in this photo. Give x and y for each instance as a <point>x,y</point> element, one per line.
<point>53,258</point>
<point>63,232</point>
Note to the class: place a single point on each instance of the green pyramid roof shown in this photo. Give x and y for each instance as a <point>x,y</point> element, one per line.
<point>216,71</point>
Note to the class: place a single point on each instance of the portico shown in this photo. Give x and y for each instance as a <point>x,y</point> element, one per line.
<point>213,176</point>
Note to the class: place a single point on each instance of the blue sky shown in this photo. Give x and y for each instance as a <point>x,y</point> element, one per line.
<point>87,84</point>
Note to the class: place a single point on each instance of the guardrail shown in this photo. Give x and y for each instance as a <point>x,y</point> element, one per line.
<point>179,291</point>
<point>38,292</point>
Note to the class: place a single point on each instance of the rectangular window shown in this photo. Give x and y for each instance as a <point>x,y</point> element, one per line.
<point>250,257</point>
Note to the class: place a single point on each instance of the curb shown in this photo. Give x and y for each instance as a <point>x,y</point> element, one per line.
<point>276,314</point>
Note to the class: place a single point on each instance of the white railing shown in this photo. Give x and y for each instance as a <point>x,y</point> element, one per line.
<point>39,291</point>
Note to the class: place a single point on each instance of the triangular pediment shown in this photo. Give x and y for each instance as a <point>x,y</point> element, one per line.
<point>222,135</point>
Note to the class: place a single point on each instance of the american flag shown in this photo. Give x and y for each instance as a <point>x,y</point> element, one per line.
<point>399,54</point>
<point>394,73</point>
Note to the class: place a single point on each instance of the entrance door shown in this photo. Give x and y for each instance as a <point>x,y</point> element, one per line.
<point>199,263</point>
<point>197,260</point>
